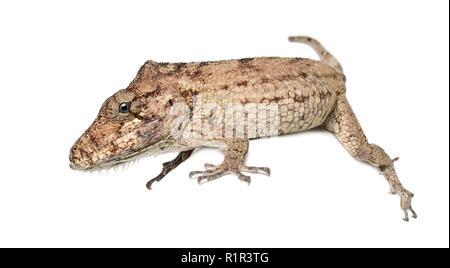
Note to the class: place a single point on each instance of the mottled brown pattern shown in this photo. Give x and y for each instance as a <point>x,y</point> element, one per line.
<point>307,94</point>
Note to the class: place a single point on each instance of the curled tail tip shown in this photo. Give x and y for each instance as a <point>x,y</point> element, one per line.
<point>324,55</point>
<point>300,39</point>
<point>291,38</point>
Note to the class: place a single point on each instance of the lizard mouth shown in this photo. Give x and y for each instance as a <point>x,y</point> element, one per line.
<point>86,164</point>
<point>83,159</point>
<point>102,165</point>
<point>86,158</point>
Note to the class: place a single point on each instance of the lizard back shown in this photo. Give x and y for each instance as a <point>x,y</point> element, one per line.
<point>303,89</point>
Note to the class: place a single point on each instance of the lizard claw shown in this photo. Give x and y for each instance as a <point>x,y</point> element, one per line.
<point>150,182</point>
<point>244,178</point>
<point>193,174</point>
<point>209,166</point>
<point>207,178</point>
<point>255,170</point>
<point>213,172</point>
<point>210,174</point>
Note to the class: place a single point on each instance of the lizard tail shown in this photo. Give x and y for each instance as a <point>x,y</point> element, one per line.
<point>324,55</point>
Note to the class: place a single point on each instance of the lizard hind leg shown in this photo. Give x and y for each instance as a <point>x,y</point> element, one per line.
<point>344,124</point>
<point>233,164</point>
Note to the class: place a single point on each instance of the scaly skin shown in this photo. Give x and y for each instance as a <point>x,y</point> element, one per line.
<point>305,93</point>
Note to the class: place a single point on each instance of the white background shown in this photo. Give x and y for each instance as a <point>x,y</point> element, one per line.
<point>59,62</point>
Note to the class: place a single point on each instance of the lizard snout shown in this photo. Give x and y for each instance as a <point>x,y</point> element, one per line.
<point>80,157</point>
<point>75,158</point>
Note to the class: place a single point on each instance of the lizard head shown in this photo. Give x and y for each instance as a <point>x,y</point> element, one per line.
<point>131,122</point>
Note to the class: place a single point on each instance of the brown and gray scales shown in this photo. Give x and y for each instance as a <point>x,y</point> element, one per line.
<point>303,88</point>
<point>308,94</point>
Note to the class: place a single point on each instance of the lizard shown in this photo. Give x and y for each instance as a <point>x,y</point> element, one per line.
<point>153,114</point>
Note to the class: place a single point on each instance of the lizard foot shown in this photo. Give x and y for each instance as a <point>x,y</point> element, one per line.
<point>405,203</point>
<point>405,199</point>
<point>213,172</point>
<point>169,166</point>
<point>397,188</point>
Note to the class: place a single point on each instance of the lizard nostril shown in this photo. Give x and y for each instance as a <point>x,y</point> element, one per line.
<point>74,157</point>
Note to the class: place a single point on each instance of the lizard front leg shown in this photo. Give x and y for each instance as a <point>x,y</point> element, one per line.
<point>169,166</point>
<point>233,163</point>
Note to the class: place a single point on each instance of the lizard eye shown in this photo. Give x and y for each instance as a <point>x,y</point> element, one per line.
<point>124,107</point>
